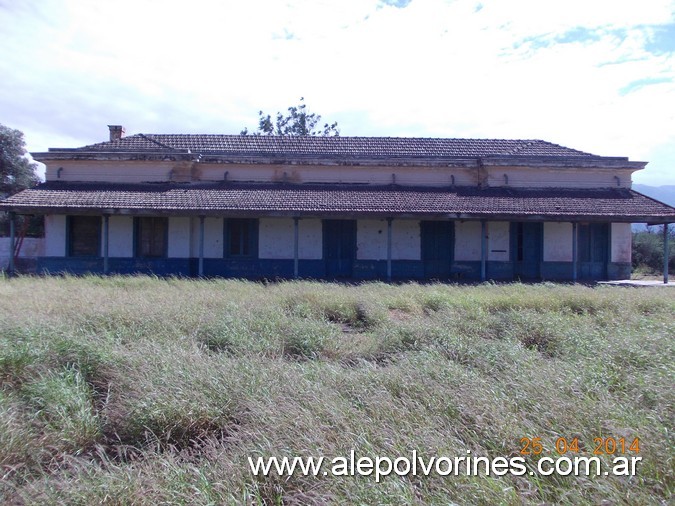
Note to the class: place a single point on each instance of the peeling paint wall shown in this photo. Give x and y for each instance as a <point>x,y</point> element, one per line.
<point>558,177</point>
<point>467,240</point>
<point>371,240</point>
<point>557,242</point>
<point>189,171</point>
<point>120,236</point>
<point>276,239</point>
<point>622,237</point>
<point>55,235</point>
<point>498,240</point>
<point>179,237</point>
<point>180,171</point>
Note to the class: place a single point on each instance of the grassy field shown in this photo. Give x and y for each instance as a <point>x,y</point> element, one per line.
<point>139,390</point>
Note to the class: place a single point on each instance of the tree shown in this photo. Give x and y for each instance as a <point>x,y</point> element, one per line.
<point>298,121</point>
<point>16,172</point>
<point>648,250</point>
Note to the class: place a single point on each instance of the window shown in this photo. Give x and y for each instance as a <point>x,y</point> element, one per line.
<point>151,237</point>
<point>241,238</point>
<point>84,236</point>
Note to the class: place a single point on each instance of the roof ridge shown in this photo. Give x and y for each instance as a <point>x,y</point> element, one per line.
<point>341,137</point>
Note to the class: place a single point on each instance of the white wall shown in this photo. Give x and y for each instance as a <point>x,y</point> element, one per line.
<point>153,171</point>
<point>498,240</point>
<point>213,237</point>
<point>558,242</point>
<point>311,239</point>
<point>621,242</point>
<point>179,237</point>
<point>406,240</point>
<point>276,238</point>
<point>467,240</point>
<point>371,240</point>
<point>31,247</point>
<point>55,235</point>
<point>559,177</point>
<point>121,236</point>
<point>182,171</point>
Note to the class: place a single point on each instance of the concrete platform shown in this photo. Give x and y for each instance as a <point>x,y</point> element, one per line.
<point>637,282</point>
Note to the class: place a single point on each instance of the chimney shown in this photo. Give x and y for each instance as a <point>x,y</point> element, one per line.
<point>116,132</point>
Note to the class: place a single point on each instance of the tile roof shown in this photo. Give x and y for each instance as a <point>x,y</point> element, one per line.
<point>319,146</point>
<point>615,204</point>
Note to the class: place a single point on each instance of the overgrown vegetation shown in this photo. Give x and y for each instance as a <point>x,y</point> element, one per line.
<point>139,390</point>
<point>648,251</point>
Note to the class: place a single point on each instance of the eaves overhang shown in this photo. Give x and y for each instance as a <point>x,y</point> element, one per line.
<point>328,214</point>
<point>347,201</point>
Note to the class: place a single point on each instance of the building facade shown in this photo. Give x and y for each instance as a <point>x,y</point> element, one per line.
<point>337,208</point>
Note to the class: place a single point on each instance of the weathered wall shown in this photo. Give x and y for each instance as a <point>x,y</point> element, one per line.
<point>32,247</point>
<point>179,237</point>
<point>561,177</point>
<point>371,240</point>
<point>120,236</point>
<point>467,240</point>
<point>622,238</point>
<point>406,240</point>
<point>55,235</point>
<point>498,240</point>
<point>153,171</point>
<point>213,237</point>
<point>182,171</point>
<point>276,239</point>
<point>557,242</point>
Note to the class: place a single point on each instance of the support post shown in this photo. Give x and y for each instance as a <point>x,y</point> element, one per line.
<point>389,235</point>
<point>12,242</point>
<point>665,253</point>
<point>201,247</point>
<point>106,241</point>
<point>483,250</point>
<point>296,247</point>
<point>574,251</point>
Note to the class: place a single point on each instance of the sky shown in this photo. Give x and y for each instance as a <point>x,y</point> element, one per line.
<point>593,75</point>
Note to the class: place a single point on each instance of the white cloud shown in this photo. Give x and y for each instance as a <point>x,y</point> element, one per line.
<point>432,68</point>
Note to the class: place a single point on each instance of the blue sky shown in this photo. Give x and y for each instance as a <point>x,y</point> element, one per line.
<point>590,74</point>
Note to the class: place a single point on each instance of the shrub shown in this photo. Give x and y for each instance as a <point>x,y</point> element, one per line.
<point>648,251</point>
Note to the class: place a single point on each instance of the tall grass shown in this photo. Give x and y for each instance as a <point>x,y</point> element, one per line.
<point>142,390</point>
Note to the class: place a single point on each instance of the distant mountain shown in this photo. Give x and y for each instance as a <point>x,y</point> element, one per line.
<point>663,193</point>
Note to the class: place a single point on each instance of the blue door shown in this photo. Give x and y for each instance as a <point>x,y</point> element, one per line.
<point>527,241</point>
<point>339,247</point>
<point>593,250</point>
<point>438,243</point>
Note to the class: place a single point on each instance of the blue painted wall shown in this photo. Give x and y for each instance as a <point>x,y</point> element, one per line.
<point>253,268</point>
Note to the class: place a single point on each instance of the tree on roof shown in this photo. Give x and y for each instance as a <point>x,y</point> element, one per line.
<point>298,121</point>
<point>16,171</point>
